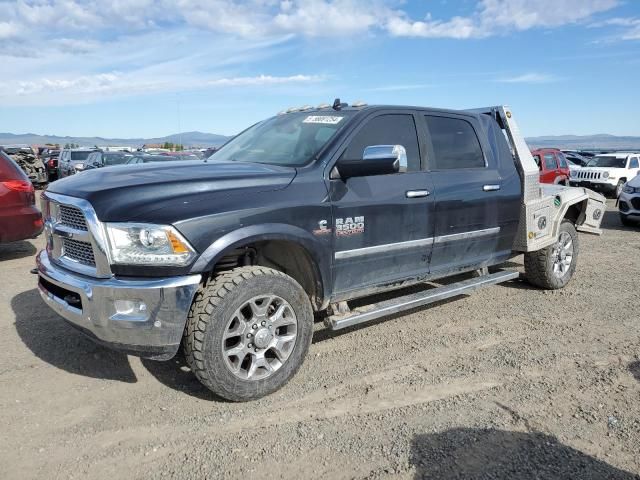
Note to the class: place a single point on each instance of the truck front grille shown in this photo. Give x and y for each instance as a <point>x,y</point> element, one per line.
<point>72,217</point>
<point>589,175</point>
<point>77,251</point>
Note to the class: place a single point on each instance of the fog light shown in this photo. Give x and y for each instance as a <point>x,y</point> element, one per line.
<point>132,308</point>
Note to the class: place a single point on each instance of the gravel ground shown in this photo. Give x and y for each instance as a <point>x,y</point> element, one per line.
<point>510,382</point>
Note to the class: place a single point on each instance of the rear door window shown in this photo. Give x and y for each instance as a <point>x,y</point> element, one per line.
<point>390,129</point>
<point>455,144</point>
<point>563,160</point>
<point>550,161</point>
<point>634,163</point>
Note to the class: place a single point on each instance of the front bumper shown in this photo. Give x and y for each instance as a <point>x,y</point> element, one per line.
<point>629,205</point>
<point>110,310</point>
<point>595,186</point>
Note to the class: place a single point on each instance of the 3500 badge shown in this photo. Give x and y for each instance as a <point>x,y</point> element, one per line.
<point>349,226</point>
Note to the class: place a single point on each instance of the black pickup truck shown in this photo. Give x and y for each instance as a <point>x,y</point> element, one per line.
<point>231,256</point>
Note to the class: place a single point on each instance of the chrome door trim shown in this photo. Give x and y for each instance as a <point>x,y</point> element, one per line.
<point>491,188</point>
<point>390,247</point>
<point>423,242</point>
<point>466,235</point>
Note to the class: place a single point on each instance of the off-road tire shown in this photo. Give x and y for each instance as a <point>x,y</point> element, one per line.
<point>538,265</point>
<point>618,190</point>
<point>212,308</point>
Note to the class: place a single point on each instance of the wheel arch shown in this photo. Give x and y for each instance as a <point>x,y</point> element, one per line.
<point>284,247</point>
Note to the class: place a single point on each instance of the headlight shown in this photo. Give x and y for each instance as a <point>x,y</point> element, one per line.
<point>146,244</point>
<point>605,175</point>
<point>79,166</point>
<point>628,189</point>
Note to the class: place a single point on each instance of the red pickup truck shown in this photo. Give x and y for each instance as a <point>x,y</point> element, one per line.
<point>19,217</point>
<point>553,166</point>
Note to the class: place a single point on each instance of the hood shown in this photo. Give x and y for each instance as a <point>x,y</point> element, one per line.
<point>603,169</point>
<point>128,192</point>
<point>634,182</point>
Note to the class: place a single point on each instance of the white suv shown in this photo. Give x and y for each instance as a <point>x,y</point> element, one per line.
<point>608,172</point>
<point>629,202</point>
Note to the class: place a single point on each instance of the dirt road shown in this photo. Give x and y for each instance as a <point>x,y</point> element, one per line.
<point>511,382</point>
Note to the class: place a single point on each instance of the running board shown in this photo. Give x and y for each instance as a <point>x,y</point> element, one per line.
<point>407,302</point>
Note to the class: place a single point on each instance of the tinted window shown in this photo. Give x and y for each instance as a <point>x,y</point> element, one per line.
<point>79,155</point>
<point>393,129</point>
<point>455,143</point>
<point>114,159</point>
<point>563,160</point>
<point>607,161</point>
<point>634,163</point>
<point>94,157</point>
<point>549,161</point>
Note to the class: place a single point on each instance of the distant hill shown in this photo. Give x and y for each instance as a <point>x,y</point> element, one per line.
<point>586,142</point>
<point>201,139</point>
<point>189,139</point>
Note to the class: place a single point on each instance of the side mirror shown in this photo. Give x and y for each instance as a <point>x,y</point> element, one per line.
<point>376,160</point>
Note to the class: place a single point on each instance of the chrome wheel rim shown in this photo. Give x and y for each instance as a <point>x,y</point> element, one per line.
<point>259,337</point>
<point>562,255</point>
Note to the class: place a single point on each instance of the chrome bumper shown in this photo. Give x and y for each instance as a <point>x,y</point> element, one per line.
<point>139,316</point>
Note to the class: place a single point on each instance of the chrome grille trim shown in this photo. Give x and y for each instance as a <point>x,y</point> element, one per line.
<point>78,251</point>
<point>60,228</point>
<point>72,217</point>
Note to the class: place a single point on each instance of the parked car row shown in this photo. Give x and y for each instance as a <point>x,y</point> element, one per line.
<point>27,159</point>
<point>77,160</point>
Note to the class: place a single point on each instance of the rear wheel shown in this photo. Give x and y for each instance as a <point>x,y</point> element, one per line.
<point>248,332</point>
<point>552,267</point>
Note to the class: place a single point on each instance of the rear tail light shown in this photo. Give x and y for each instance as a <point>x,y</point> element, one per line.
<point>18,185</point>
<point>50,163</point>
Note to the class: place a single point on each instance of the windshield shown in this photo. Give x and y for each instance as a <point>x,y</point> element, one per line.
<point>607,161</point>
<point>79,155</point>
<point>289,140</point>
<point>115,159</point>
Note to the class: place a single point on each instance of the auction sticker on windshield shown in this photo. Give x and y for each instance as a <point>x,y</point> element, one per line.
<point>325,119</point>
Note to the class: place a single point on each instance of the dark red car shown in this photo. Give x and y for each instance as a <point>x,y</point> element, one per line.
<point>19,217</point>
<point>553,166</point>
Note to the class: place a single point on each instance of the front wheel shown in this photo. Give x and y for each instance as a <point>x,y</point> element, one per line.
<point>551,268</point>
<point>248,332</point>
<point>619,188</point>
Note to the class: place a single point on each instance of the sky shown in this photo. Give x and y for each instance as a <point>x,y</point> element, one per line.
<point>143,68</point>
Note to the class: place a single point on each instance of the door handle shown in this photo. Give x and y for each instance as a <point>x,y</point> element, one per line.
<point>417,193</point>
<point>491,188</point>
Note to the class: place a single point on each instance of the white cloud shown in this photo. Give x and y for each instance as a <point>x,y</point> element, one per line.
<point>259,18</point>
<point>530,78</point>
<point>8,30</point>
<point>630,27</point>
<point>85,84</point>
<point>493,17</point>
<point>263,80</point>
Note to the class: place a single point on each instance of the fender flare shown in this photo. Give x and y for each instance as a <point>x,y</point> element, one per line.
<point>319,254</point>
